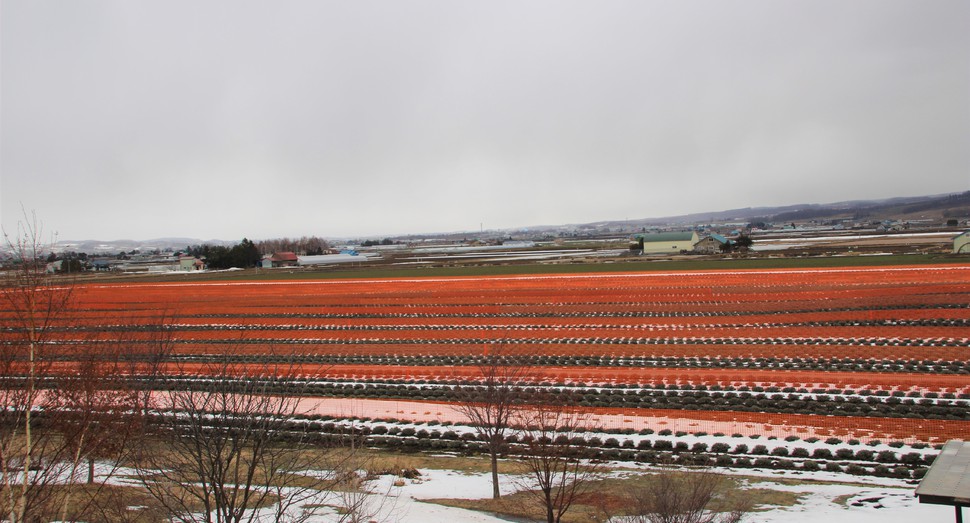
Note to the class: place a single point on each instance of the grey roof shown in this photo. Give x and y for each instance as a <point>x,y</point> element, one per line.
<point>948,480</point>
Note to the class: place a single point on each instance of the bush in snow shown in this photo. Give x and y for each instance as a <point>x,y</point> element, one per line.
<point>844,453</point>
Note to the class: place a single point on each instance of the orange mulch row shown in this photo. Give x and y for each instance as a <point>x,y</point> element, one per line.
<point>871,313</point>
<point>616,351</point>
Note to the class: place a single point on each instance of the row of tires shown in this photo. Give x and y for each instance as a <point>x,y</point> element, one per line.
<point>662,311</point>
<point>810,364</point>
<point>411,439</point>
<point>868,342</point>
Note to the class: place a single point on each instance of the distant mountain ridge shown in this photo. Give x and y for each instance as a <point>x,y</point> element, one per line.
<point>955,205</point>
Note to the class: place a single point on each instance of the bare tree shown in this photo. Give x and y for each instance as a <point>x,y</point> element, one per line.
<point>490,406</point>
<point>553,454</point>
<point>673,496</point>
<point>303,245</point>
<point>64,400</point>
<point>92,410</point>
<point>33,304</point>
<point>143,358</point>
<point>229,451</point>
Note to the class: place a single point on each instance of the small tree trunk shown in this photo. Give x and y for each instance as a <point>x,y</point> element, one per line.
<point>495,492</point>
<point>550,518</point>
<point>90,471</point>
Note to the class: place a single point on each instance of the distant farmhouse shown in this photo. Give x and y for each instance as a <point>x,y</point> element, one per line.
<point>712,244</point>
<point>667,242</point>
<point>280,259</point>
<point>686,242</point>
<point>961,244</point>
<point>190,263</point>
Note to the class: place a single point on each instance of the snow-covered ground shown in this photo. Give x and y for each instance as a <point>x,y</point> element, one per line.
<point>883,501</point>
<point>823,497</point>
<point>862,505</point>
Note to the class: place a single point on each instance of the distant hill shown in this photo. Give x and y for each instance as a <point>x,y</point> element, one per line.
<point>116,246</point>
<point>936,207</point>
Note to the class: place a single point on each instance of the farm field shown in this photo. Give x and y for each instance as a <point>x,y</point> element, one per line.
<point>876,353</point>
<point>855,369</point>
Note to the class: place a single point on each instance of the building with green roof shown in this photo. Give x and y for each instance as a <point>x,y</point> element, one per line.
<point>667,242</point>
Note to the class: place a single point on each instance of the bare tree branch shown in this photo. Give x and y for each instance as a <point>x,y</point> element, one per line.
<point>228,447</point>
<point>491,405</point>
<point>673,496</point>
<point>558,472</point>
<point>64,399</point>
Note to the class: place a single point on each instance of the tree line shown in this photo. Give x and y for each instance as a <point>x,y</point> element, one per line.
<point>247,254</point>
<point>243,255</point>
<point>307,245</point>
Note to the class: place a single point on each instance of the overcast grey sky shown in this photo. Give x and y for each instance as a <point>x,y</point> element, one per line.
<point>224,119</point>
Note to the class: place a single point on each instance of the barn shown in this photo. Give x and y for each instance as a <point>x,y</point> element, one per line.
<point>667,242</point>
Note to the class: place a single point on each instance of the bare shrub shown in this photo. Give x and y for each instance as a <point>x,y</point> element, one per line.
<point>558,472</point>
<point>685,497</point>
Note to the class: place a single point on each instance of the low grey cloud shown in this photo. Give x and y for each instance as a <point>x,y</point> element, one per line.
<point>221,119</point>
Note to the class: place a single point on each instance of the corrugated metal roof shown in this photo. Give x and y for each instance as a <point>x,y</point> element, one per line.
<point>948,480</point>
<point>667,237</point>
<point>720,239</point>
<point>325,259</point>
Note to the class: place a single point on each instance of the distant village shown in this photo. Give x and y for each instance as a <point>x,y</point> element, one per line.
<point>564,244</point>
